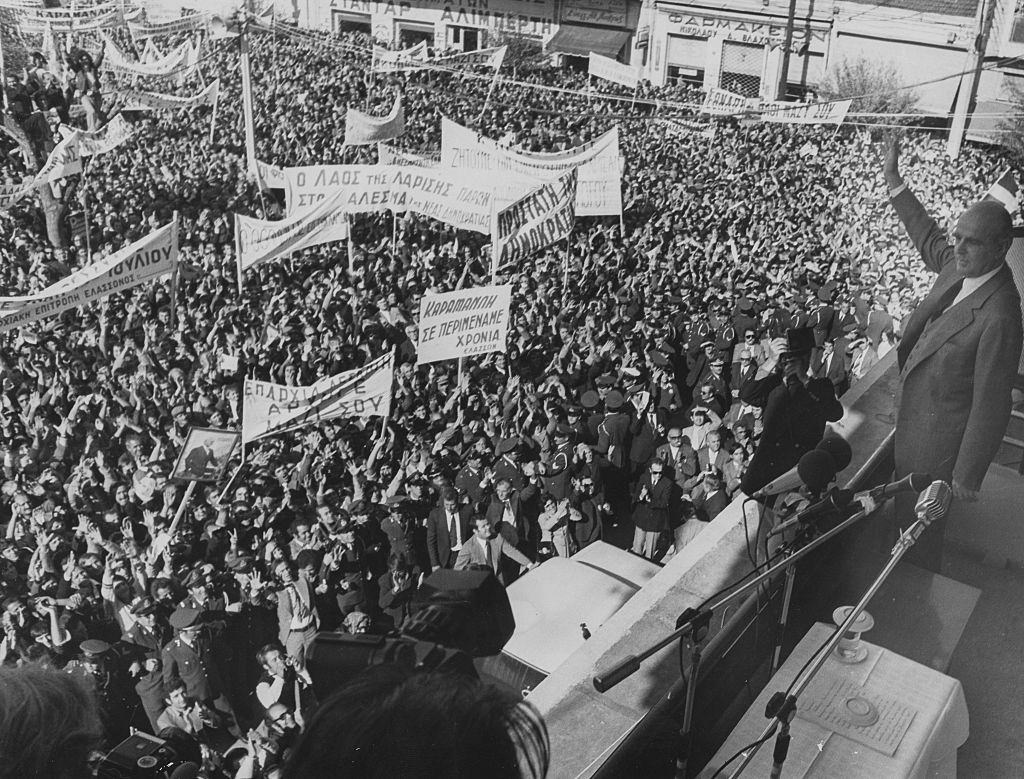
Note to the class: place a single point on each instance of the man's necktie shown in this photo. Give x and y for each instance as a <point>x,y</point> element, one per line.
<point>490,559</point>
<point>946,299</point>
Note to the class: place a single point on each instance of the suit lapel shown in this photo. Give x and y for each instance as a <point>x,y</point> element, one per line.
<point>954,319</point>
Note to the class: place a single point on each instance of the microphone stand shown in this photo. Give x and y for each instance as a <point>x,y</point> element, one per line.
<point>782,706</point>
<point>695,621</point>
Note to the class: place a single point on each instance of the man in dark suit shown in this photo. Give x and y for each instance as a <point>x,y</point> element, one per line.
<point>796,408</point>
<point>200,462</point>
<point>709,497</point>
<point>830,362</point>
<point>679,457</point>
<point>959,355</point>
<point>447,531</point>
<point>487,548</point>
<point>712,457</point>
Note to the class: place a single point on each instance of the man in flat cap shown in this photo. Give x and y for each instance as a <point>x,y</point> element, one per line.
<point>959,355</point>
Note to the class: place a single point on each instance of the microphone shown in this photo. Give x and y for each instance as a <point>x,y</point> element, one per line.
<point>835,500</point>
<point>933,502</point>
<point>912,482</point>
<point>815,470</point>
<point>840,450</point>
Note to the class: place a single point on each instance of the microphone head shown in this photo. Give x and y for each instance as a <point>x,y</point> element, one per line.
<point>840,450</point>
<point>816,469</point>
<point>933,503</point>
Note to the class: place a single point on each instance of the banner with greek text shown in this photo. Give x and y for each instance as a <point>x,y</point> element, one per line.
<point>259,240</point>
<point>463,323</point>
<point>270,176</point>
<point>389,155</point>
<point>145,101</point>
<point>722,102</point>
<point>184,24</point>
<point>387,61</point>
<point>598,192</point>
<point>135,264</point>
<point>681,127</point>
<point>12,193</point>
<point>614,71</point>
<point>362,129</point>
<point>151,53</point>
<point>799,113</point>
<point>536,221</point>
<point>488,58</point>
<point>64,160</point>
<point>33,21</point>
<point>269,408</point>
<point>108,137</point>
<point>462,199</point>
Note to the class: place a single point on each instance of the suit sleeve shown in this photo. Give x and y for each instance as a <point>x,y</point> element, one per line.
<point>928,239</point>
<point>995,367</point>
<point>510,551</point>
<point>432,539</point>
<point>464,559</point>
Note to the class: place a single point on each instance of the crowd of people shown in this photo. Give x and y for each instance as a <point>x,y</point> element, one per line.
<point>626,396</point>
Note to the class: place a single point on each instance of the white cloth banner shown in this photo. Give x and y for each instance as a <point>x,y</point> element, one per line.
<point>389,155</point>
<point>599,189</point>
<point>108,137</point>
<point>536,221</point>
<point>489,58</point>
<point>65,20</point>
<point>275,408</point>
<point>179,59</point>
<point>614,71</point>
<point>799,113</point>
<point>462,199</point>
<point>271,176</point>
<point>146,101</point>
<point>12,193</point>
<point>463,323</point>
<point>146,259</point>
<point>681,127</point>
<point>259,240</point>
<point>150,53</point>
<point>184,24</point>
<point>387,61</point>
<point>64,160</point>
<point>362,129</point>
<point>722,102</point>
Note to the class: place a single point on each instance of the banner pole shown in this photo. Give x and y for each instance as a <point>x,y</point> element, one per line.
<point>247,109</point>
<point>213,116</point>
<point>85,210</point>
<point>351,256</point>
<point>174,276</point>
<point>394,231</point>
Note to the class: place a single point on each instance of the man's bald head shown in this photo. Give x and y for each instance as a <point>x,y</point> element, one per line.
<point>982,238</point>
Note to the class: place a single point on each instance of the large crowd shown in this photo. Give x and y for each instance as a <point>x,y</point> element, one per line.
<point>618,410</point>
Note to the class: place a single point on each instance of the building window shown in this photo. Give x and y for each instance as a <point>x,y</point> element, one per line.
<point>465,38</point>
<point>342,22</point>
<point>742,67</point>
<point>681,74</point>
<point>411,34</point>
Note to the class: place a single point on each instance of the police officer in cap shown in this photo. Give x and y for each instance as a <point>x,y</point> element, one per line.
<point>189,658</point>
<point>97,668</point>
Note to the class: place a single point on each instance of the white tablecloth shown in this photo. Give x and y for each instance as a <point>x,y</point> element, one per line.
<point>928,748</point>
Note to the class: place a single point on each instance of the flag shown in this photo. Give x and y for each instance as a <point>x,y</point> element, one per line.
<point>362,129</point>
<point>1005,191</point>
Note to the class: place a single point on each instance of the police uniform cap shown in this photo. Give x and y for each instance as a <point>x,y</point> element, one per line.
<point>605,380</point>
<point>143,606</point>
<point>563,431</point>
<point>185,617</point>
<point>614,401</point>
<point>93,647</point>
<point>590,399</point>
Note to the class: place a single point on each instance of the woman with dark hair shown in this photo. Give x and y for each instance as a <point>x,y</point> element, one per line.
<point>49,723</point>
<point>390,721</point>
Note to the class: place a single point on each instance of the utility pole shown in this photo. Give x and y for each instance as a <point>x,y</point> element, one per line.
<point>780,92</point>
<point>969,81</point>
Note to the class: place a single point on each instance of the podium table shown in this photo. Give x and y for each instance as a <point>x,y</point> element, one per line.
<point>898,689</point>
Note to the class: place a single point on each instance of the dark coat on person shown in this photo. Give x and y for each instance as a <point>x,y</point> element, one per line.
<point>652,514</point>
<point>439,540</point>
<point>793,423</point>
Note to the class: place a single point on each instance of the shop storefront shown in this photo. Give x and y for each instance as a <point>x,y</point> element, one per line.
<point>465,25</point>
<point>600,26</point>
<point>738,50</point>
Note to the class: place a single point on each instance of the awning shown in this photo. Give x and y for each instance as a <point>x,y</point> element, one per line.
<point>986,123</point>
<point>573,39</point>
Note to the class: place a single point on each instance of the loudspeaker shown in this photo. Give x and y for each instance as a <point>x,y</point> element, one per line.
<point>467,610</point>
